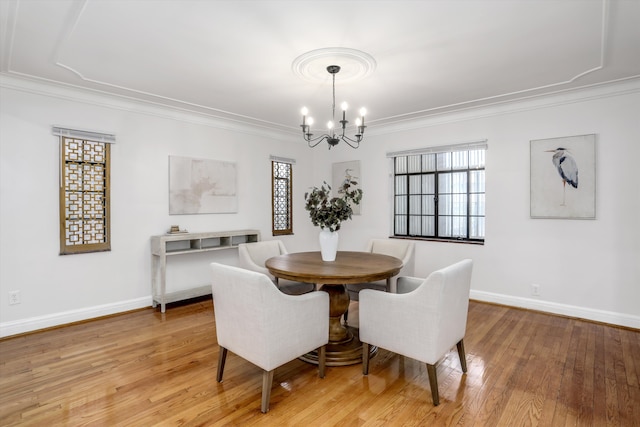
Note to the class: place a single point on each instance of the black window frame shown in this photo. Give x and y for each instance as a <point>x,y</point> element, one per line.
<point>409,204</point>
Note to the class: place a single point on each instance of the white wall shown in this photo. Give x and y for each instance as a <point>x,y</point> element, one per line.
<point>58,289</point>
<point>585,268</point>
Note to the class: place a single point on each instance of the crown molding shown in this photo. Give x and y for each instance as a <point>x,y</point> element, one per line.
<point>534,102</point>
<point>290,134</point>
<point>157,109</point>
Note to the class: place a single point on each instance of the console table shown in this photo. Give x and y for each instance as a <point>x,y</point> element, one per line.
<point>171,244</point>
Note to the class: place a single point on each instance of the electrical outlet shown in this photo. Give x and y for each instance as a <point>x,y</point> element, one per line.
<point>535,290</point>
<point>14,297</point>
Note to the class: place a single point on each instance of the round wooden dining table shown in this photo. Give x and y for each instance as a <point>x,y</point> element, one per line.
<point>344,347</point>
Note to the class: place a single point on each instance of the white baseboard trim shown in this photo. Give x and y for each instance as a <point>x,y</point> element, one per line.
<point>57,319</point>
<point>619,319</point>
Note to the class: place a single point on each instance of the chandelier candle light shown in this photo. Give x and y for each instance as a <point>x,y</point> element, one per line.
<point>332,138</point>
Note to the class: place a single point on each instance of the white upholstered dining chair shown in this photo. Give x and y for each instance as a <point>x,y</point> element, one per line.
<point>424,320</point>
<point>252,256</point>
<point>399,248</point>
<point>253,321</point>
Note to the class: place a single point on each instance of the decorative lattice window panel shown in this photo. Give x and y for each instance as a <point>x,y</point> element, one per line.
<point>281,179</point>
<point>84,196</point>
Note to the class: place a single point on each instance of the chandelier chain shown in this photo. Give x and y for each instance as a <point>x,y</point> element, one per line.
<point>333,111</point>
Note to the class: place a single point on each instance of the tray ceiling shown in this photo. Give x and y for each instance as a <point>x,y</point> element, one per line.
<point>235,59</point>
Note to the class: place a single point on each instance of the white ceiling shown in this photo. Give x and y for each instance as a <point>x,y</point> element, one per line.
<point>233,58</point>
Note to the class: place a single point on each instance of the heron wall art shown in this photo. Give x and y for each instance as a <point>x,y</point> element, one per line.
<point>567,168</point>
<point>347,170</point>
<point>556,191</point>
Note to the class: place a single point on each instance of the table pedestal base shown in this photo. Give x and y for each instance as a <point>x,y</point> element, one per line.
<point>344,353</point>
<point>344,347</point>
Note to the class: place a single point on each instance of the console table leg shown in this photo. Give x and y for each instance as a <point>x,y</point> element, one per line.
<point>163,284</point>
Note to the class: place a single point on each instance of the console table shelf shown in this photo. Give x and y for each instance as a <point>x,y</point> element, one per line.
<point>171,244</point>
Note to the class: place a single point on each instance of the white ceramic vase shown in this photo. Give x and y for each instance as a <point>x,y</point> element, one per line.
<point>328,244</point>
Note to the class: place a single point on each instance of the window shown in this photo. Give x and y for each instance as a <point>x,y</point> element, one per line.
<point>439,193</point>
<point>84,195</point>
<point>281,189</point>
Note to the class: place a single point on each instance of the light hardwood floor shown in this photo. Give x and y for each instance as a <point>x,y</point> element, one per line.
<point>146,368</point>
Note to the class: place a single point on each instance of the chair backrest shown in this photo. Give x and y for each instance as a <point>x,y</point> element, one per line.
<point>445,293</point>
<point>423,324</point>
<point>252,256</point>
<point>243,300</point>
<point>399,248</point>
<point>261,324</point>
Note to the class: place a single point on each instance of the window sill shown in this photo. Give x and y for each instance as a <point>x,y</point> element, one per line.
<point>439,239</point>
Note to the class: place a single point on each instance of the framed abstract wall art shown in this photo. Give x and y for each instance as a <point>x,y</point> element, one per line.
<point>202,186</point>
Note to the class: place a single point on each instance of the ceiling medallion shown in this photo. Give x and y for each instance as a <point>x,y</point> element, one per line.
<point>354,64</point>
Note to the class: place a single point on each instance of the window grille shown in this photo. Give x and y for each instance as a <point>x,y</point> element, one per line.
<point>84,196</point>
<point>439,193</point>
<point>282,184</point>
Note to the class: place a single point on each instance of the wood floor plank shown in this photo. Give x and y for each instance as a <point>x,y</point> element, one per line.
<point>150,368</point>
<point>500,366</point>
<point>613,391</point>
<point>625,399</point>
<point>632,358</point>
<point>599,382</point>
<point>555,350</point>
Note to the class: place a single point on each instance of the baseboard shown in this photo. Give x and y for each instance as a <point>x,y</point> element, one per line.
<point>619,319</point>
<point>57,319</point>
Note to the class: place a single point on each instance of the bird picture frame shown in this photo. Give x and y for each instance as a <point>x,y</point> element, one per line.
<point>563,177</point>
<point>347,170</point>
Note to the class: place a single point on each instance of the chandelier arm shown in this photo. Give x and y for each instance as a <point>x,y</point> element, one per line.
<point>313,145</point>
<point>351,142</point>
<point>317,140</point>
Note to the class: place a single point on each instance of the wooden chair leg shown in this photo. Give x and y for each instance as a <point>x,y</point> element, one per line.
<point>462,356</point>
<point>346,314</point>
<point>222,357</point>
<point>433,382</point>
<point>365,358</point>
<point>267,381</point>
<point>322,360</point>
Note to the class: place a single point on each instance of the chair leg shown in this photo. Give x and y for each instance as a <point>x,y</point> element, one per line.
<point>346,315</point>
<point>462,356</point>
<point>322,360</point>
<point>222,357</point>
<point>365,358</point>
<point>433,382</point>
<point>267,381</point>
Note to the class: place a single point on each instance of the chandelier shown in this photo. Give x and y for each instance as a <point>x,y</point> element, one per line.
<point>332,137</point>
